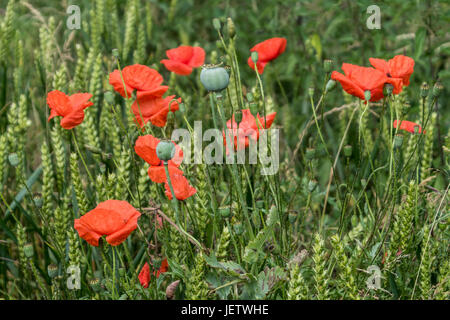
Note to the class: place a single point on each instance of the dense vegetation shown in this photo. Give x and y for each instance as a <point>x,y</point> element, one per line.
<point>353,194</point>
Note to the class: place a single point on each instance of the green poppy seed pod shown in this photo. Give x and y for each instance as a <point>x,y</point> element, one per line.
<point>238,229</point>
<point>424,90</point>
<point>122,272</point>
<point>115,53</point>
<point>231,28</point>
<point>52,270</point>
<point>109,97</point>
<point>13,159</point>
<point>37,198</point>
<point>214,78</point>
<point>225,212</point>
<point>437,89</point>
<point>310,154</point>
<point>328,65</point>
<point>348,149</point>
<point>331,84</point>
<point>254,56</point>
<point>250,97</point>
<point>387,89</point>
<point>312,184</point>
<point>311,91</point>
<point>165,150</point>
<point>28,250</point>
<point>367,95</point>
<point>95,284</point>
<point>398,141</point>
<point>216,24</point>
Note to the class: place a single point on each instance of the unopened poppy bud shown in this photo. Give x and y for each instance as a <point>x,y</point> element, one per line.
<point>216,24</point>
<point>231,28</point>
<point>238,229</point>
<point>115,53</point>
<point>13,159</point>
<point>387,89</point>
<point>348,149</point>
<point>52,270</point>
<point>398,140</point>
<point>328,65</point>
<point>312,184</point>
<point>225,212</point>
<point>331,84</point>
<point>254,56</point>
<point>310,154</point>
<point>367,95</point>
<point>109,97</point>
<point>250,97</point>
<point>214,78</point>
<point>171,289</point>
<point>95,284</point>
<point>437,88</point>
<point>165,150</point>
<point>424,89</point>
<point>28,250</point>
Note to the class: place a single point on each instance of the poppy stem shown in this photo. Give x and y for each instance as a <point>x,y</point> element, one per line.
<point>81,156</point>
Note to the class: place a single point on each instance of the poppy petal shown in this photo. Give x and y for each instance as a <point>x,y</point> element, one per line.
<point>179,68</point>
<point>181,54</point>
<point>198,57</point>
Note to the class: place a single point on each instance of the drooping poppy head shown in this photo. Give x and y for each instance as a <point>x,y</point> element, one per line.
<point>183,59</point>
<point>154,109</point>
<point>359,79</point>
<point>181,187</point>
<point>398,67</point>
<point>137,77</point>
<point>409,126</point>
<point>144,275</point>
<point>70,108</point>
<point>268,50</point>
<point>114,219</point>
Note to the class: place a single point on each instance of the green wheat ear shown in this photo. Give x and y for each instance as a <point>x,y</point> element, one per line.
<point>197,287</point>
<point>77,185</point>
<point>319,269</point>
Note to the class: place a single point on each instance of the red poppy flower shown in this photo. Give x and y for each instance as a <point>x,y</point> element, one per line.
<point>408,126</point>
<point>147,107</point>
<point>114,219</point>
<point>144,275</point>
<point>145,147</point>
<point>268,50</point>
<point>183,59</point>
<point>248,127</point>
<point>71,108</point>
<point>398,67</point>
<point>137,77</point>
<point>181,187</point>
<point>358,79</point>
